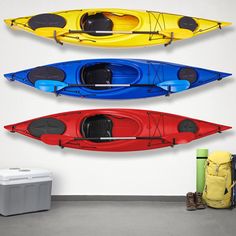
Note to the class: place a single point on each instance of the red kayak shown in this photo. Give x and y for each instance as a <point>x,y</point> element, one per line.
<point>115,129</point>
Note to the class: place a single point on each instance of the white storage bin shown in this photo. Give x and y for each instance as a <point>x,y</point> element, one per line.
<point>24,190</point>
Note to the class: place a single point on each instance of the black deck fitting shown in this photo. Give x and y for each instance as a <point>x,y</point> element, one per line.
<point>171,39</point>
<point>12,22</point>
<point>13,129</point>
<point>56,39</point>
<point>174,141</point>
<point>60,144</point>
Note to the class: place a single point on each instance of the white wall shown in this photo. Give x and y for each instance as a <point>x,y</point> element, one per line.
<point>158,172</point>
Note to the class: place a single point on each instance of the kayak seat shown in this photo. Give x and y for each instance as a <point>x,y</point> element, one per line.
<point>46,126</point>
<point>188,73</point>
<point>97,126</point>
<point>46,73</point>
<point>187,22</point>
<point>96,74</point>
<point>46,20</point>
<point>97,22</point>
<point>187,126</point>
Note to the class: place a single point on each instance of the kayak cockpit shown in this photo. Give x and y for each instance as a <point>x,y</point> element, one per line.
<point>108,73</point>
<point>107,21</point>
<point>96,74</point>
<point>97,126</point>
<point>108,126</point>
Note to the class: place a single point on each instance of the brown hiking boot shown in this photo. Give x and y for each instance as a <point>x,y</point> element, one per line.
<point>199,202</point>
<point>190,202</point>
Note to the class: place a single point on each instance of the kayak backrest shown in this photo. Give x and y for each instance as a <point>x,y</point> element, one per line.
<point>97,126</point>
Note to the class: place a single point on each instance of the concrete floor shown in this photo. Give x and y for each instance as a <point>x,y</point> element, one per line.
<point>93,218</point>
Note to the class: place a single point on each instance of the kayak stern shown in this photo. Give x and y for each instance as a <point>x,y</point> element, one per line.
<point>9,128</point>
<point>9,22</point>
<point>224,75</point>
<point>9,76</point>
<point>225,24</point>
<point>224,127</point>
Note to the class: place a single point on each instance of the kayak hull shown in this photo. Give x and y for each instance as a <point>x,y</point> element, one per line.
<point>124,71</point>
<point>121,20</point>
<point>123,123</point>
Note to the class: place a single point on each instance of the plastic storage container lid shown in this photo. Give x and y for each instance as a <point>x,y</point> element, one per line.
<point>24,175</point>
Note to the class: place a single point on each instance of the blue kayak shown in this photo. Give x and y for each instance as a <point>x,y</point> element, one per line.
<point>115,78</point>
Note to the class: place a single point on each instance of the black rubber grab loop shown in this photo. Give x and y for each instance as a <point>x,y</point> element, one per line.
<point>188,73</point>
<point>46,20</point>
<point>97,126</point>
<point>187,126</point>
<point>46,126</point>
<point>46,73</point>
<point>187,22</point>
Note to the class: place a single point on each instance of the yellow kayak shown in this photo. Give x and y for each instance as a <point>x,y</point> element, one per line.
<point>114,27</point>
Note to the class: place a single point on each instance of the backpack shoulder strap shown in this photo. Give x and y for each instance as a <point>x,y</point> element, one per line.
<point>233,197</point>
